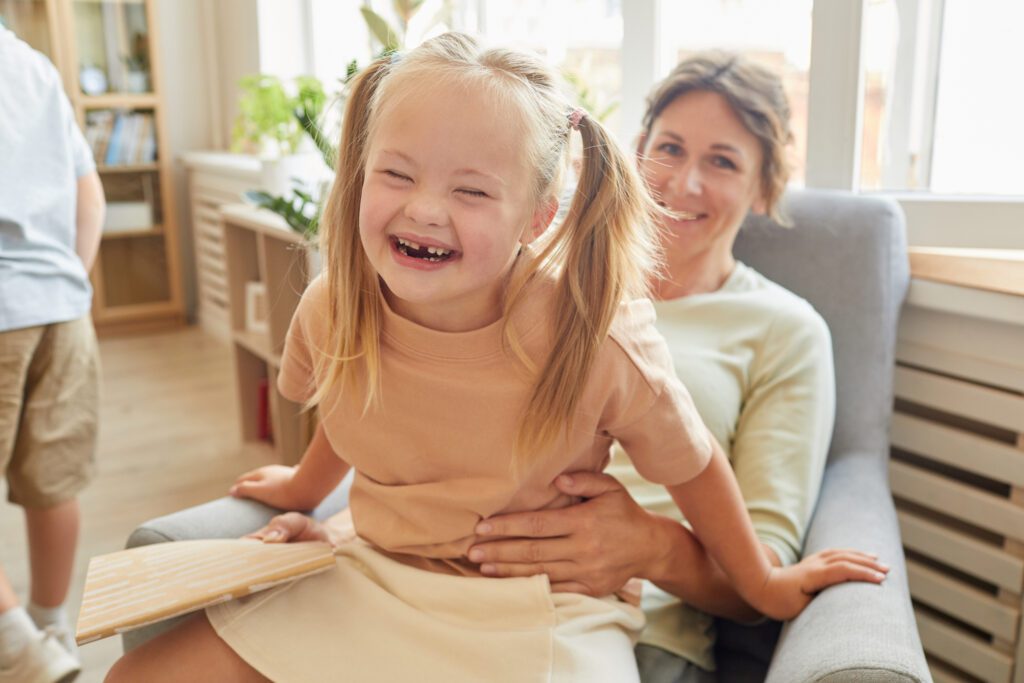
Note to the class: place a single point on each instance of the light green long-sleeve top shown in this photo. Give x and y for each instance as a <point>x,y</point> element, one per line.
<point>757,360</point>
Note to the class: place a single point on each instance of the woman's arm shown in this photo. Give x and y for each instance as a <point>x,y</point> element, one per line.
<point>595,547</point>
<point>296,488</point>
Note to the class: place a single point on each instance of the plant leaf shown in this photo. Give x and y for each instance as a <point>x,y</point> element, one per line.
<point>380,29</point>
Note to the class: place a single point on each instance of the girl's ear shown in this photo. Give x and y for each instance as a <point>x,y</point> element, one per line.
<point>542,218</point>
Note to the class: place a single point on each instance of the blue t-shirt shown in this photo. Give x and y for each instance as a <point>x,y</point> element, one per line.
<point>42,155</point>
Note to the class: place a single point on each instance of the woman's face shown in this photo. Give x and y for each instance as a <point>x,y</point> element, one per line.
<point>701,162</point>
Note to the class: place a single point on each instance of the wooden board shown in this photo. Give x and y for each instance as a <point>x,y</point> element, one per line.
<point>140,586</point>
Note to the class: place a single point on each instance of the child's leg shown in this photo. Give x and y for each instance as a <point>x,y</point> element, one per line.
<point>8,599</point>
<point>190,652</point>
<point>52,539</point>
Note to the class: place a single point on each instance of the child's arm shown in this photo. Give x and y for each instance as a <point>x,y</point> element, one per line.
<point>296,488</point>
<point>713,505</point>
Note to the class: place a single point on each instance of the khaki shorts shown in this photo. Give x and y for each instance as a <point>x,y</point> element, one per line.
<point>49,402</point>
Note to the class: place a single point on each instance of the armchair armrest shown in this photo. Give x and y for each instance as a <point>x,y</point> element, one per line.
<point>855,631</point>
<point>222,518</point>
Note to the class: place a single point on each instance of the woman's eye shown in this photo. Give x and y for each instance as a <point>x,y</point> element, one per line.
<point>723,162</point>
<point>670,148</point>
<point>472,192</point>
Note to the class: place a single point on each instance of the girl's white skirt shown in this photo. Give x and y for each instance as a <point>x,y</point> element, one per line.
<point>374,619</point>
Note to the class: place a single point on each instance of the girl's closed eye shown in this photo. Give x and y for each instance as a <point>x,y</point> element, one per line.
<point>471,192</point>
<point>396,175</point>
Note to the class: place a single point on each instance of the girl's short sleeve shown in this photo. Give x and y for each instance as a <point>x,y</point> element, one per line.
<point>296,379</point>
<point>651,413</point>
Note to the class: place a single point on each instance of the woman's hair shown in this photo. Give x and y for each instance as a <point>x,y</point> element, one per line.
<point>756,96</point>
<point>601,253</point>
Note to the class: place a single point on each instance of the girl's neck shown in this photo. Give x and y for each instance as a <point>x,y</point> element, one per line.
<point>699,274</point>
<point>446,316</point>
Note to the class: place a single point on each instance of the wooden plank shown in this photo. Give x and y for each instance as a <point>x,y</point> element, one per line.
<point>977,367</point>
<point>970,653</point>
<point>970,605</point>
<point>960,551</point>
<point>942,673</point>
<point>957,500</point>
<point>997,270</point>
<point>990,406</point>
<point>958,448</point>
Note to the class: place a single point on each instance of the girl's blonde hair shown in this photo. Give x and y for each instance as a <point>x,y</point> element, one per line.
<point>601,253</point>
<point>755,95</point>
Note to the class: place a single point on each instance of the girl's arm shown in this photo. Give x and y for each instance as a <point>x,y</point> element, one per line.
<point>713,505</point>
<point>296,488</point>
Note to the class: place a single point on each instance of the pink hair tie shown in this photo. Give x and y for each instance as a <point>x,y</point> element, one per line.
<point>575,116</point>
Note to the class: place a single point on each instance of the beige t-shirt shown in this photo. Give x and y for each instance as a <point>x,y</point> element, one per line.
<point>757,360</point>
<point>434,458</point>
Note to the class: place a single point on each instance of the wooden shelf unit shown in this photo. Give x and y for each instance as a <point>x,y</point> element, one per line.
<point>260,247</point>
<point>136,278</point>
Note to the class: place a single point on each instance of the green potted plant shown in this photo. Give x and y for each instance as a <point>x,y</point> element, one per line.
<point>267,125</point>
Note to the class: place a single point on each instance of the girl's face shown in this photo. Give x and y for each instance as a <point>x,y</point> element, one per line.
<point>446,204</point>
<point>700,161</point>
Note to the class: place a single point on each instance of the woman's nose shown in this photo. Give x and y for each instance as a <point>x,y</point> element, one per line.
<point>686,179</point>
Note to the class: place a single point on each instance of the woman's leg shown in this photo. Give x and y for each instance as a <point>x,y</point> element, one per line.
<point>658,666</point>
<point>190,652</point>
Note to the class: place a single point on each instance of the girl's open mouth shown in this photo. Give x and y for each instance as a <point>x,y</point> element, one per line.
<point>418,251</point>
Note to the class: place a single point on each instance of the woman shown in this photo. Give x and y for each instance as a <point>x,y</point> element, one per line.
<point>756,358</point>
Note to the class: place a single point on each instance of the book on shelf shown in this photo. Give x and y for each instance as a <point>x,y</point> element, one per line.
<point>133,588</point>
<point>119,138</point>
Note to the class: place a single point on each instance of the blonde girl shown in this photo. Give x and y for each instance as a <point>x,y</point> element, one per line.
<point>462,355</point>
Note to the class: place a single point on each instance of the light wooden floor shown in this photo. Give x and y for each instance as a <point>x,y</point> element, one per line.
<point>169,439</point>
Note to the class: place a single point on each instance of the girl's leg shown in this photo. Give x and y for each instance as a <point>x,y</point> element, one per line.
<point>190,652</point>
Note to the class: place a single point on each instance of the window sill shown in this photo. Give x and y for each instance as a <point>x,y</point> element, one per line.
<point>993,270</point>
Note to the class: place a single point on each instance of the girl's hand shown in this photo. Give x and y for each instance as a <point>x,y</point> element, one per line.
<point>271,484</point>
<point>790,589</point>
<point>294,527</point>
<point>593,547</point>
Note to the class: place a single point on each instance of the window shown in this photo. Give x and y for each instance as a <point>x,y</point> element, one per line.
<point>941,111</point>
<point>775,34</point>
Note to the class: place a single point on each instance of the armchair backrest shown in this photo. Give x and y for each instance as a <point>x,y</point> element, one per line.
<point>846,254</point>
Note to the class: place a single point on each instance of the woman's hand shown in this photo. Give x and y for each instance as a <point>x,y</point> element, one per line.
<point>593,547</point>
<point>270,484</point>
<point>294,527</point>
<point>789,590</point>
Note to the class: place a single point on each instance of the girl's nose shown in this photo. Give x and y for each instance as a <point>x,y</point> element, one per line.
<point>426,209</point>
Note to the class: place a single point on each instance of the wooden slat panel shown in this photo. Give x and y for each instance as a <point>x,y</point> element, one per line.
<point>212,285</point>
<point>991,406</point>
<point>957,500</point>
<point>958,448</point>
<point>981,368</point>
<point>962,552</point>
<point>968,604</point>
<point>944,674</point>
<point>209,214</point>
<point>229,187</point>
<point>970,653</point>
<point>207,246</point>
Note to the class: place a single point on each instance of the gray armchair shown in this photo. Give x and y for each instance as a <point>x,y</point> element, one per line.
<point>847,256</point>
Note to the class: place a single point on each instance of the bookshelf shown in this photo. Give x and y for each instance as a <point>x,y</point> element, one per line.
<point>262,252</point>
<point>107,52</point>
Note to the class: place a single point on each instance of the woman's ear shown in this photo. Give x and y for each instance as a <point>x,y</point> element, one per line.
<point>542,218</point>
<point>760,205</point>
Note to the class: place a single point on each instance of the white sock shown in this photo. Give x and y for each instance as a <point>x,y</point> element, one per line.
<point>16,630</point>
<point>57,617</point>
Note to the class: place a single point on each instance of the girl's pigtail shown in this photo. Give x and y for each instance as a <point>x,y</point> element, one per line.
<point>608,245</point>
<point>353,289</point>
